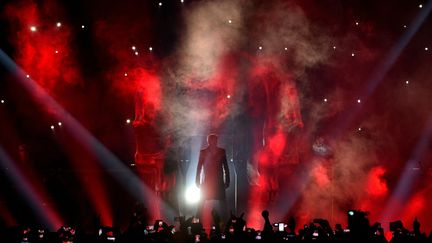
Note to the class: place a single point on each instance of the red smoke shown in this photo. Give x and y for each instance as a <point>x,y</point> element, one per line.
<point>45,54</point>
<point>376,186</point>
<point>44,51</point>
<point>273,103</point>
<point>320,174</point>
<point>414,208</point>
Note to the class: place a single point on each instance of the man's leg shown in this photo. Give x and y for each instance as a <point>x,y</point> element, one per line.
<point>200,208</point>
<point>223,211</point>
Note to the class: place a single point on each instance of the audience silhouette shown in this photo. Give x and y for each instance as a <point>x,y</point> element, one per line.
<point>234,230</point>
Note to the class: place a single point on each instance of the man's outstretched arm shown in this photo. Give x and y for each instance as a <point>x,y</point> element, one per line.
<point>199,170</point>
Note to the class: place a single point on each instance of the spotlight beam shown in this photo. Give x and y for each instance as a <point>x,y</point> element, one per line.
<point>408,178</point>
<point>382,69</point>
<point>46,216</point>
<point>105,157</point>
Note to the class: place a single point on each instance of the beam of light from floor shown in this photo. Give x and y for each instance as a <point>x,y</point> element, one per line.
<point>379,73</point>
<point>196,143</point>
<point>93,184</point>
<point>6,216</point>
<point>105,157</point>
<point>410,175</point>
<point>377,76</point>
<point>47,217</point>
<point>293,188</point>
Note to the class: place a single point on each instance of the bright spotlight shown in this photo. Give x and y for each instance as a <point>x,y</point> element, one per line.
<point>58,24</point>
<point>60,124</point>
<point>27,76</point>
<point>136,53</point>
<point>325,100</point>
<point>192,194</point>
<point>128,121</point>
<point>160,3</point>
<point>33,28</point>
<point>150,48</point>
<point>2,101</point>
<point>229,96</point>
<point>52,127</point>
<point>229,21</point>
<point>82,26</point>
<point>351,213</point>
<point>359,101</point>
<point>260,48</point>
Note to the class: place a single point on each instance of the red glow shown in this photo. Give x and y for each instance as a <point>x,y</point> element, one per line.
<point>320,174</point>
<point>36,51</point>
<point>277,143</point>
<point>6,216</point>
<point>46,55</point>
<point>273,103</point>
<point>414,207</point>
<point>376,186</point>
<point>148,100</point>
<point>261,88</point>
<point>90,176</point>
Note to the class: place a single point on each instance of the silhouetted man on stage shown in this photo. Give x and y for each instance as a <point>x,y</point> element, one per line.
<point>212,175</point>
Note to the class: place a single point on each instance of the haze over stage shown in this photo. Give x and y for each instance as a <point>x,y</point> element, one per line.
<point>105,105</point>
